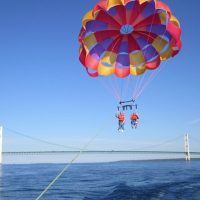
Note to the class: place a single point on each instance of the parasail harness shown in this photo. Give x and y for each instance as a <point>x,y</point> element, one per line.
<point>127,105</point>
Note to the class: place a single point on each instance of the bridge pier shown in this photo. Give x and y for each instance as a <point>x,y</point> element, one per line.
<point>187,147</point>
<point>1,143</point>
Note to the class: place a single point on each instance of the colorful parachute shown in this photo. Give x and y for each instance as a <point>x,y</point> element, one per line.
<point>125,37</point>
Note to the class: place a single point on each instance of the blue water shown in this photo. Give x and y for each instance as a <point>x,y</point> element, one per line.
<point>127,180</point>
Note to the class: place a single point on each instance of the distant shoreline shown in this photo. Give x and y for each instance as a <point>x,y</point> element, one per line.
<point>105,162</point>
<point>98,151</point>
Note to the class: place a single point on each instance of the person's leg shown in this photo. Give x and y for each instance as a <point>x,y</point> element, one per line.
<point>135,124</point>
<point>123,126</point>
<point>132,123</point>
<point>119,126</point>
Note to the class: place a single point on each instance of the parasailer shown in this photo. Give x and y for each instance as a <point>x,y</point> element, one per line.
<point>134,120</point>
<point>128,38</point>
<point>121,121</point>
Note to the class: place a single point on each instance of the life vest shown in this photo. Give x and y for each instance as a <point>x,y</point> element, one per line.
<point>121,117</point>
<point>134,117</point>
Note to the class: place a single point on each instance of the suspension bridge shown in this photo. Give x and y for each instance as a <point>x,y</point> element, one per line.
<point>186,154</point>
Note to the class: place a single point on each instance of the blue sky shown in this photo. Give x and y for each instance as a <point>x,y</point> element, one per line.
<point>46,93</point>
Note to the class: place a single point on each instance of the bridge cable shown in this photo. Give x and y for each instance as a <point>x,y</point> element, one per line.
<point>156,145</point>
<point>40,140</point>
<point>194,139</point>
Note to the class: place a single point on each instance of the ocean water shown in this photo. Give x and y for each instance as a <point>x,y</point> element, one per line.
<point>124,180</point>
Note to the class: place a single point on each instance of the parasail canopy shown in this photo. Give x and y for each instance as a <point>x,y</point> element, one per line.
<point>128,37</point>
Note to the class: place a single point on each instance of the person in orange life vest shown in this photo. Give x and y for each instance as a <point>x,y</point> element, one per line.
<point>134,120</point>
<point>121,119</point>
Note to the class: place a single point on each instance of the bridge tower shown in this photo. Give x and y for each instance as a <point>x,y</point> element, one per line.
<point>1,143</point>
<point>187,147</point>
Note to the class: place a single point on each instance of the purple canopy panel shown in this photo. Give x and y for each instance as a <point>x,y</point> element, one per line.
<point>158,29</point>
<point>123,60</point>
<point>142,42</point>
<point>112,11</point>
<point>105,43</point>
<point>149,53</point>
<point>148,10</point>
<point>123,48</point>
<point>94,26</point>
<point>97,51</point>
